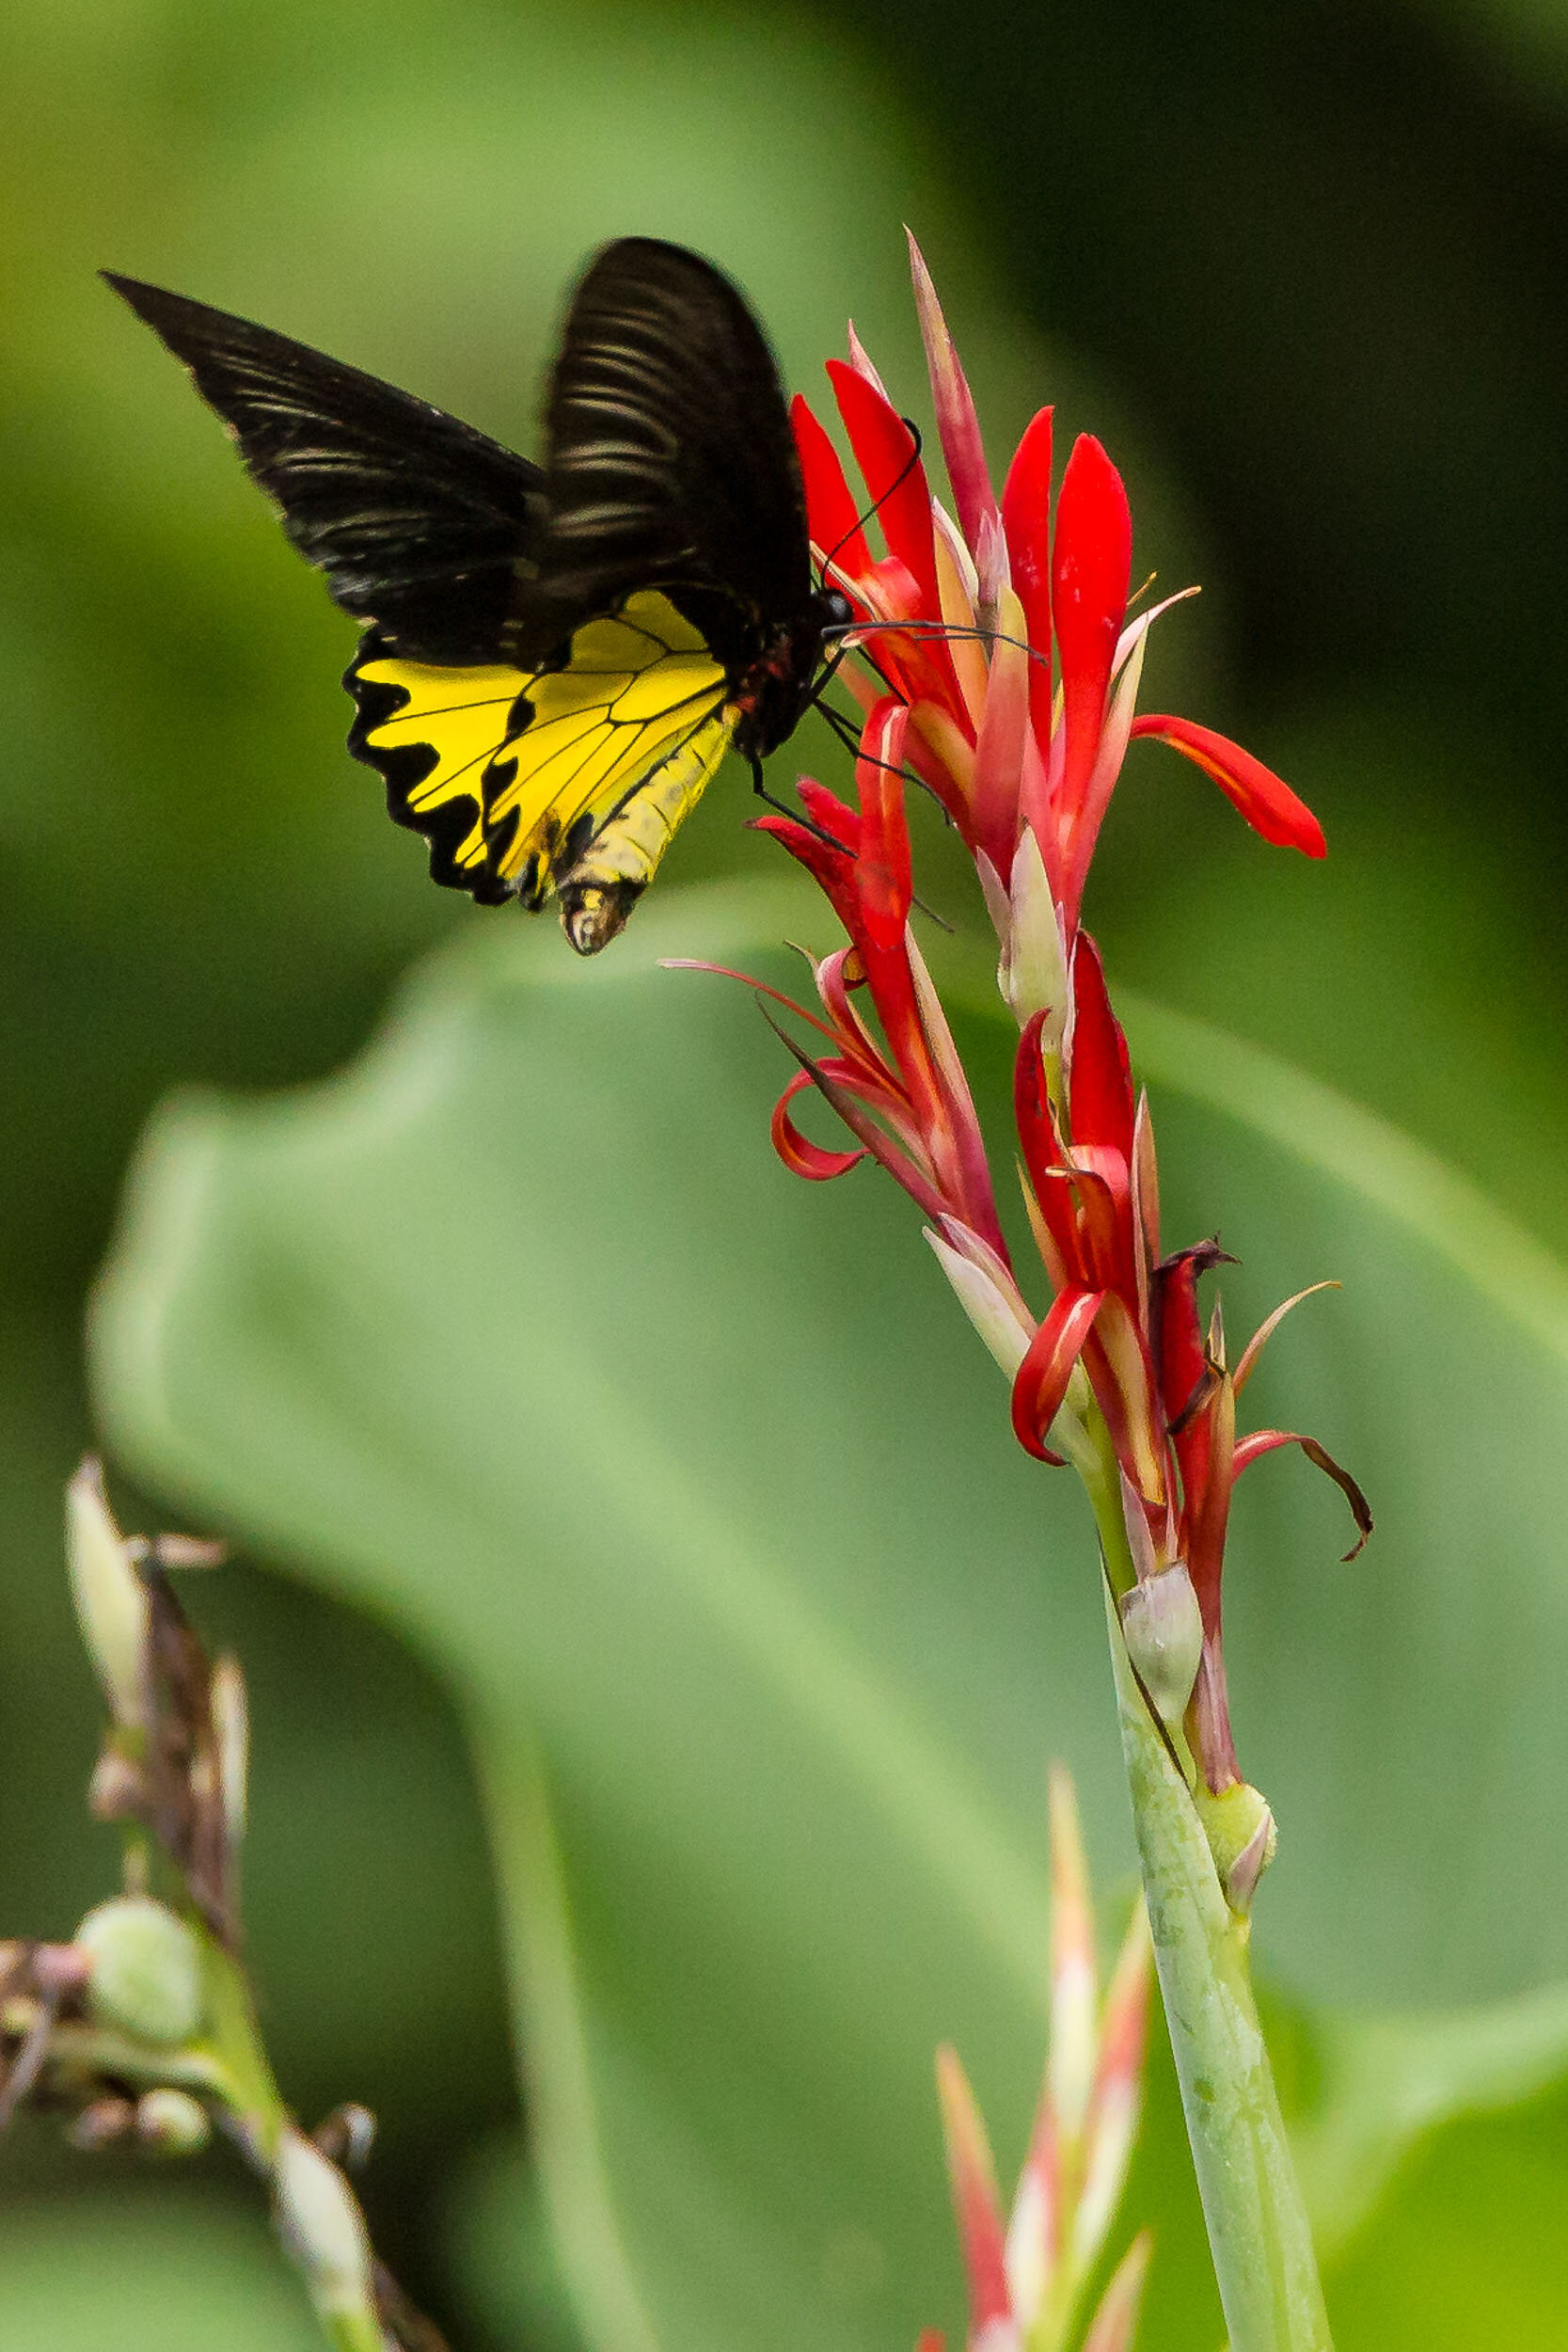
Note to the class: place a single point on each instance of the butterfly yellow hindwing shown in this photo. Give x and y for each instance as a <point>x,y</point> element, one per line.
<point>577,776</point>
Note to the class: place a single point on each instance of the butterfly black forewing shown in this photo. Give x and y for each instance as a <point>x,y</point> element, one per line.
<point>669,470</point>
<point>669,457</point>
<point>417,520</point>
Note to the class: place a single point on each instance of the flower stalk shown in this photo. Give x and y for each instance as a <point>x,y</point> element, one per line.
<point>1259,2236</point>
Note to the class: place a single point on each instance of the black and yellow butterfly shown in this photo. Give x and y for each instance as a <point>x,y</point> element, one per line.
<point>557,657</point>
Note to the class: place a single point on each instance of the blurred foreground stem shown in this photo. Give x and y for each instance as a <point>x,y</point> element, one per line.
<point>1259,2235</point>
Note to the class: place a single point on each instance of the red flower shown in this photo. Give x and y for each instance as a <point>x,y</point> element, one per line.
<point>990,612</point>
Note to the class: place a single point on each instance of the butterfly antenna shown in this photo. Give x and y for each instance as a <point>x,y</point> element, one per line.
<point>845,730</point>
<point>875,508</point>
<point>948,631</point>
<point>830,840</point>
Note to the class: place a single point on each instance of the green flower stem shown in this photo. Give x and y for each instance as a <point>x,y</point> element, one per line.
<point>353,2332</point>
<point>318,2215</point>
<point>1259,2235</point>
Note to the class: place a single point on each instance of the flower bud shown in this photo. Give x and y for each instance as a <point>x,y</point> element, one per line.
<point>172,2123</point>
<point>322,2226</point>
<point>231,1726</point>
<point>1242,1837</point>
<point>111,1602</point>
<point>346,2136</point>
<point>1163,1630</point>
<point>994,1315</point>
<point>118,1790</point>
<point>147,1973</point>
<point>101,2123</point>
<point>1032,975</point>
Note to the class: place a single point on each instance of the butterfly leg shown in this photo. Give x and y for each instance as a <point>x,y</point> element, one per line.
<point>794,814</point>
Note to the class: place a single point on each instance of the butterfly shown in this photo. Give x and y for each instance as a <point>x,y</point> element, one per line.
<point>556,657</point>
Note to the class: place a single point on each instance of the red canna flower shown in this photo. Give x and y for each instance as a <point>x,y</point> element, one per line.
<point>1003,674</point>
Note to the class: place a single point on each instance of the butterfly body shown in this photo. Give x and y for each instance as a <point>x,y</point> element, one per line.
<point>556,657</point>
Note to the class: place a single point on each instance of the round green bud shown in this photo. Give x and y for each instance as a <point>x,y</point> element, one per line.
<point>146,1977</point>
<point>172,2123</point>
<point>1163,1628</point>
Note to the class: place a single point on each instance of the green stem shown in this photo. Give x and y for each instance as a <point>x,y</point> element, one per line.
<point>1259,2235</point>
<point>353,2332</point>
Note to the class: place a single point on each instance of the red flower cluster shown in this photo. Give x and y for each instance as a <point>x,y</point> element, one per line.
<point>1002,671</point>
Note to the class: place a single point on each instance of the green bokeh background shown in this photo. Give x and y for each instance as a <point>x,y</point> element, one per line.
<point>1302,270</point>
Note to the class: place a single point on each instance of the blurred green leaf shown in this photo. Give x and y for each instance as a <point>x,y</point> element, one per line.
<point>1388,2081</point>
<point>692,1483</point>
<point>170,2274</point>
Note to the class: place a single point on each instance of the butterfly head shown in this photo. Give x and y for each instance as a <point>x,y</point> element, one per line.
<point>773,693</point>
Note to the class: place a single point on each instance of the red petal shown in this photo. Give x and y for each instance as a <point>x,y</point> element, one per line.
<point>1268,806</point>
<point>956,423</point>
<point>999,752</point>
<point>824,847</point>
<point>829,814</point>
<point>831,509</point>
<point>882,869</point>
<point>1091,565</point>
<point>1261,1441</point>
<point>1037,1129</point>
<point>1179,1325</point>
<point>1101,1088</point>
<point>883,447</point>
<point>1043,1375</point>
<point>842,1085</point>
<point>1026,519</point>
<point>798,1153</point>
<point>976,2202</point>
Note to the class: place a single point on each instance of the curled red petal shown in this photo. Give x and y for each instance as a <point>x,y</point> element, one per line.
<point>1268,804</point>
<point>832,513</point>
<point>1043,1375</point>
<point>1026,521</point>
<point>1100,1087</point>
<point>798,1153</point>
<point>1091,566</point>
<point>882,871</point>
<point>1251,1449</point>
<point>842,1085</point>
<point>883,447</point>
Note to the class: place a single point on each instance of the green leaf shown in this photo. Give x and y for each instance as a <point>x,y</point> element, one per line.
<point>171,2274</point>
<point>692,1482</point>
